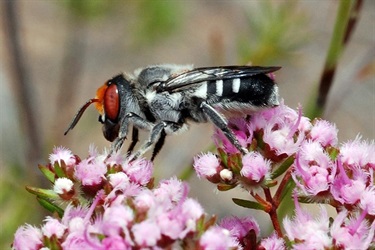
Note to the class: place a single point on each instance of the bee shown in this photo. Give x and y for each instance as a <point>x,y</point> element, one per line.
<point>162,99</point>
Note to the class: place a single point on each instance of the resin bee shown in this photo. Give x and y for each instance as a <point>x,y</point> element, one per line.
<point>163,98</point>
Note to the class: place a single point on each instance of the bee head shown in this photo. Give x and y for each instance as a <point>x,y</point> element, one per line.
<point>108,103</point>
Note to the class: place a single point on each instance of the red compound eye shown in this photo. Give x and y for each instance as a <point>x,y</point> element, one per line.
<point>111,102</point>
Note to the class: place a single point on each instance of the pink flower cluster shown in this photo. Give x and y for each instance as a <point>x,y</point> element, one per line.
<point>282,142</point>
<point>103,202</point>
<point>112,204</point>
<point>345,232</point>
<point>271,136</point>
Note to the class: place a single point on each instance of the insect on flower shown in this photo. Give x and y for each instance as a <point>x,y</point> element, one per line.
<point>163,98</point>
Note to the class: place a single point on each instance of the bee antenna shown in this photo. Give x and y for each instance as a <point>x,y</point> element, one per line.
<point>80,113</point>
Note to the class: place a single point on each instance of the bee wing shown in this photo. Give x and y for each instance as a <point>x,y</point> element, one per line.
<point>198,75</point>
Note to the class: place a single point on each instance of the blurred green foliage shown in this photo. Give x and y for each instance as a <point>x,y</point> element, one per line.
<point>17,208</point>
<point>276,30</point>
<point>156,20</point>
<point>89,9</point>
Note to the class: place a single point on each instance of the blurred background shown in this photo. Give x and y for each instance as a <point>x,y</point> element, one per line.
<point>55,54</point>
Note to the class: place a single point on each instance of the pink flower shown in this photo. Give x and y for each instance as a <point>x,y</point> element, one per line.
<point>146,233</point>
<point>217,238</point>
<point>76,238</point>
<point>115,242</point>
<point>171,191</point>
<point>53,227</point>
<point>139,171</point>
<point>116,159</point>
<point>191,211</point>
<point>277,116</point>
<point>314,169</point>
<point>280,140</point>
<point>207,165</point>
<point>77,224</point>
<point>27,237</point>
<point>116,219</point>
<point>273,243</point>
<point>312,234</point>
<point>346,190</point>
<point>240,128</point>
<point>90,171</point>
<point>119,180</point>
<point>240,227</point>
<point>367,202</point>
<point>73,212</point>
<point>353,233</point>
<point>280,129</point>
<point>61,154</point>
<point>263,118</point>
<point>122,212</point>
<point>254,167</point>
<point>121,184</point>
<point>358,153</point>
<point>170,225</point>
<point>325,133</point>
<point>221,140</point>
<point>144,201</point>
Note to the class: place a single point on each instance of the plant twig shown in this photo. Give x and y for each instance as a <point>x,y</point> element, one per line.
<point>354,15</point>
<point>21,83</point>
<point>341,33</point>
<point>273,212</point>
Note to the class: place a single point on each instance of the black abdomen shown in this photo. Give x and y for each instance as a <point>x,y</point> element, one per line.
<point>257,90</point>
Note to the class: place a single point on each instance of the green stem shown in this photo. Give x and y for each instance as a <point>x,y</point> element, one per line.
<point>334,52</point>
<point>186,173</point>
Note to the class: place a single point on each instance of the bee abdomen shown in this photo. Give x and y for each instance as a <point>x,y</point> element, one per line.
<point>258,90</point>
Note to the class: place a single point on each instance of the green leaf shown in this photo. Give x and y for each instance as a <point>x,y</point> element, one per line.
<point>47,204</point>
<point>235,163</point>
<point>283,167</point>
<point>248,204</point>
<point>223,157</point>
<point>333,152</point>
<point>200,224</point>
<point>259,139</point>
<point>58,170</point>
<point>288,189</point>
<point>271,183</point>
<point>44,193</point>
<point>210,222</point>
<point>47,173</point>
<point>225,187</point>
<point>286,206</point>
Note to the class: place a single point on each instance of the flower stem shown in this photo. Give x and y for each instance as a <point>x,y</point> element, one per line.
<point>273,212</point>
<point>339,37</point>
<point>186,173</point>
<point>281,189</point>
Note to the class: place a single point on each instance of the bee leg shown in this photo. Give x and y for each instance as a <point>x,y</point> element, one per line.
<point>169,128</point>
<point>134,139</point>
<point>157,133</point>
<point>158,145</point>
<point>137,122</point>
<point>219,121</point>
